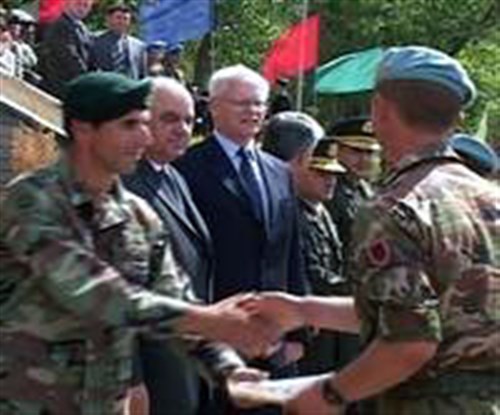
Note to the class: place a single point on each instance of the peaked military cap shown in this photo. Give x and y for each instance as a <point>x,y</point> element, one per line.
<point>289,132</point>
<point>103,96</point>
<point>355,133</point>
<point>426,64</point>
<point>477,154</point>
<point>324,157</point>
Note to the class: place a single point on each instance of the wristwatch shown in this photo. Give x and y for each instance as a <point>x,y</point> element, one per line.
<point>331,394</point>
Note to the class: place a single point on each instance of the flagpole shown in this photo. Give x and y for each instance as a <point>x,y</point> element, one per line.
<point>300,80</point>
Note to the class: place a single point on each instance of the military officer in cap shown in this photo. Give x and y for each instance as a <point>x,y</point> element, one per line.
<point>86,266</point>
<point>298,139</point>
<point>357,149</point>
<point>425,261</point>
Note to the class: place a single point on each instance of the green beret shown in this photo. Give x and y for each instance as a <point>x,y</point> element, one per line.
<point>324,157</point>
<point>104,96</point>
<point>356,133</point>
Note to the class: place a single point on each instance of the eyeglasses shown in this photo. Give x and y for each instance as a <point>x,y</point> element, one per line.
<point>246,103</point>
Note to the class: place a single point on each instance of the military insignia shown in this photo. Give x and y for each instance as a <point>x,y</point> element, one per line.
<point>379,253</point>
<point>367,127</point>
<point>332,151</point>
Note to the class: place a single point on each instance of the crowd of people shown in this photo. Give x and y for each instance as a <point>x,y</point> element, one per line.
<point>58,51</point>
<point>144,275</point>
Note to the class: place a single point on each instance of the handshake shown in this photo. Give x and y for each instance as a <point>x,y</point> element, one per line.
<point>252,323</point>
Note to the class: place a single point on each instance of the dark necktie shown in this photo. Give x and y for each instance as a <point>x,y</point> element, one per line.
<point>121,58</point>
<point>250,183</point>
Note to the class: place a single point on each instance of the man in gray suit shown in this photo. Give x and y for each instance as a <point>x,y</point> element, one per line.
<point>117,51</point>
<point>172,381</point>
<point>64,48</point>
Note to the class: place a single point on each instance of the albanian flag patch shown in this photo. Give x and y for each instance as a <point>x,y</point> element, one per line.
<point>379,253</point>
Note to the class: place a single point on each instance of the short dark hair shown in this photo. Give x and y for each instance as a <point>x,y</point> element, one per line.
<point>119,7</point>
<point>421,103</point>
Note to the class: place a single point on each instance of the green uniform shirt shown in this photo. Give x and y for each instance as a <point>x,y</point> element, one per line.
<point>72,296</point>
<point>350,194</point>
<point>425,261</point>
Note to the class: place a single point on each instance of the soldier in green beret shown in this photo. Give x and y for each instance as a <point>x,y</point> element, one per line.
<point>86,266</point>
<point>425,261</point>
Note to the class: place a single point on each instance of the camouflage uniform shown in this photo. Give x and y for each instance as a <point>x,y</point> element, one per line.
<point>67,315</point>
<point>350,193</point>
<point>426,256</point>
<point>321,250</point>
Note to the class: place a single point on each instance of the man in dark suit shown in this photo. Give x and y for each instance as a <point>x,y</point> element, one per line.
<point>64,48</point>
<point>117,51</point>
<point>245,197</point>
<point>172,380</point>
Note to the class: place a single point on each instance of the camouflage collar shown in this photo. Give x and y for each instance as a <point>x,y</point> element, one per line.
<point>439,151</point>
<point>106,212</point>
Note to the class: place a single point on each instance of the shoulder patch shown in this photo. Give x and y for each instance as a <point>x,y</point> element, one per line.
<point>379,253</point>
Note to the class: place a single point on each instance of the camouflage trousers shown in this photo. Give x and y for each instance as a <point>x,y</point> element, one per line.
<point>15,407</point>
<point>480,403</point>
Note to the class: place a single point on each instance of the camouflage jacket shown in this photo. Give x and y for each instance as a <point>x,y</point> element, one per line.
<point>426,262</point>
<point>350,193</point>
<point>74,291</point>
<point>321,249</point>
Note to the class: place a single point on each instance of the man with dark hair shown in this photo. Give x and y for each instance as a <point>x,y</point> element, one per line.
<point>280,99</point>
<point>115,49</point>
<point>65,47</point>
<point>356,149</point>
<point>425,261</point>
<point>86,266</point>
<point>299,139</point>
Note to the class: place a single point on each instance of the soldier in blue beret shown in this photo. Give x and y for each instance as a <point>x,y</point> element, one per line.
<point>173,62</point>
<point>478,155</point>
<point>86,267</point>
<point>424,261</point>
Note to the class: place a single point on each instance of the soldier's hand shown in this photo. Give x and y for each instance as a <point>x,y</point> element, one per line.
<point>226,322</point>
<point>309,401</point>
<point>285,310</point>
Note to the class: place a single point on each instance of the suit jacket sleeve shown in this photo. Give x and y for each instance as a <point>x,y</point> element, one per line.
<point>297,280</point>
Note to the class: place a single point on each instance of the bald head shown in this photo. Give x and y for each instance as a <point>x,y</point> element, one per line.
<point>172,118</point>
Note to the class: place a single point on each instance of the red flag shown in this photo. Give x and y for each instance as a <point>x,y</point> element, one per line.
<point>294,51</point>
<point>50,10</point>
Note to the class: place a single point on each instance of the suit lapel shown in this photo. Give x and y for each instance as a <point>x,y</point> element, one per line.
<point>226,174</point>
<point>160,195</point>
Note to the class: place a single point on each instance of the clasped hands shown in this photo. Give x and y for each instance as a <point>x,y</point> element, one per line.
<point>254,323</point>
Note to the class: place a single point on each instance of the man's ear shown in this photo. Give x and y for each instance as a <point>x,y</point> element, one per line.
<point>81,128</point>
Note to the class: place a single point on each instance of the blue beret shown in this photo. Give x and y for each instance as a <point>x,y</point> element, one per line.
<point>425,64</point>
<point>103,96</point>
<point>477,154</point>
<point>175,48</point>
<point>156,45</point>
<point>289,132</point>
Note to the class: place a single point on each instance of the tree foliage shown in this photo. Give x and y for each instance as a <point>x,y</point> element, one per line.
<point>245,29</point>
